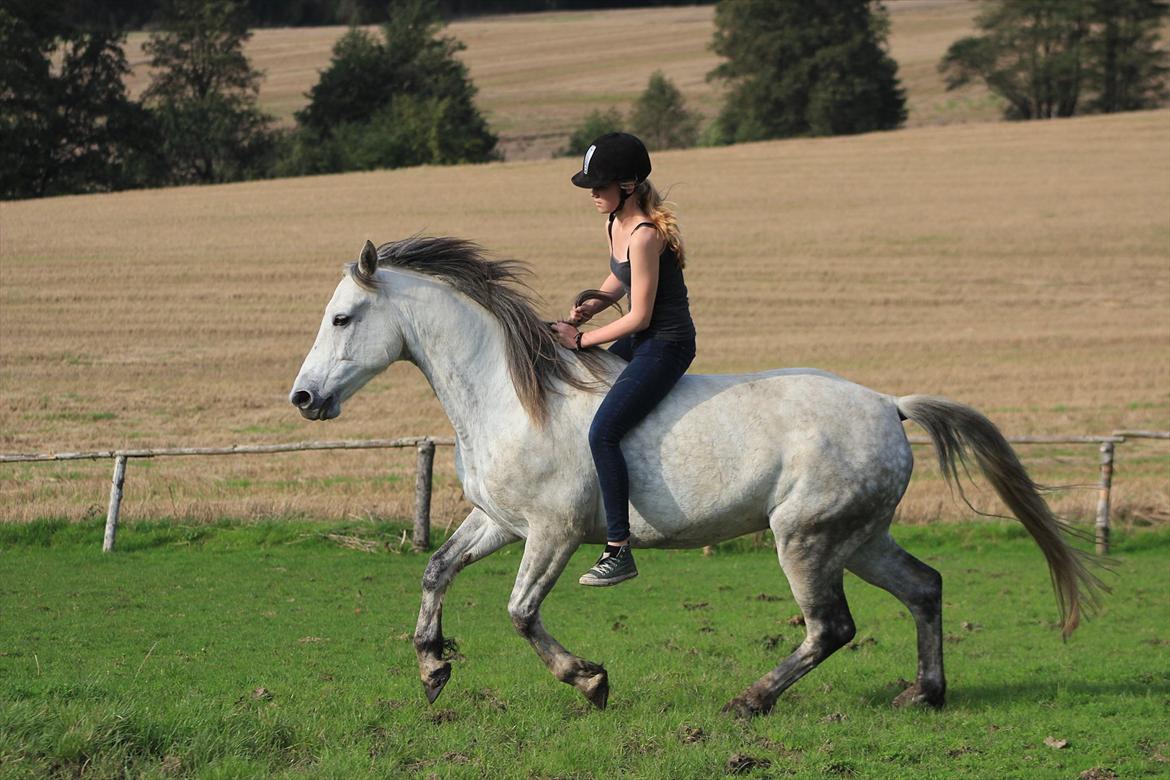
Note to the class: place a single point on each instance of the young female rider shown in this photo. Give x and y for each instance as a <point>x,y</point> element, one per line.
<point>656,336</point>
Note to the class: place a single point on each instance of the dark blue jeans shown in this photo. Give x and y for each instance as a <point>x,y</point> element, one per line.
<point>654,368</point>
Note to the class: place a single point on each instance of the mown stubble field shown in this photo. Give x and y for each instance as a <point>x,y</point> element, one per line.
<point>1021,268</point>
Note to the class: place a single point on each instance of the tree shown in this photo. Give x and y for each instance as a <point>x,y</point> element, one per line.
<point>596,123</point>
<point>1031,53</point>
<point>66,122</point>
<point>804,67</point>
<point>660,117</point>
<point>1128,62</point>
<point>1054,59</point>
<point>404,100</point>
<point>203,93</point>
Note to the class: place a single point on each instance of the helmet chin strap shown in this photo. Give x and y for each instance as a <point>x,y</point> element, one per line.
<point>623,195</point>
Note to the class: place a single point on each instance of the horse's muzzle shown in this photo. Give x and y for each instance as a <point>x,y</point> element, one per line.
<point>313,406</point>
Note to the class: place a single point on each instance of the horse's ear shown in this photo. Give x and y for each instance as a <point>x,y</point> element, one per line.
<point>368,261</point>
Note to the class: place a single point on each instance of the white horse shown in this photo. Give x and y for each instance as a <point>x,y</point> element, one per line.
<point>819,460</point>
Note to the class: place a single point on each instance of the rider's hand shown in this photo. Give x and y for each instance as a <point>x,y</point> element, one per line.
<point>579,315</point>
<point>566,334</point>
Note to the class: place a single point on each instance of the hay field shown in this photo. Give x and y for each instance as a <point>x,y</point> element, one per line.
<point>540,74</point>
<point>1023,268</point>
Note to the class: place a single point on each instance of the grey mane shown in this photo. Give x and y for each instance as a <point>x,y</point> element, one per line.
<point>536,362</point>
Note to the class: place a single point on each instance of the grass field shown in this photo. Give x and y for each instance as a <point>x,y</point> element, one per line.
<point>224,650</point>
<point>1022,268</point>
<point>539,74</point>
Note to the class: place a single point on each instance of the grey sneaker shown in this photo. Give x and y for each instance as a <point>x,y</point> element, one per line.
<point>611,570</point>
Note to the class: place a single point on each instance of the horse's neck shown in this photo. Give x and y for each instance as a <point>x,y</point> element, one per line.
<point>460,350</point>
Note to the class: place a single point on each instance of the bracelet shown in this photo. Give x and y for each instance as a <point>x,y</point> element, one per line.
<point>577,341</point>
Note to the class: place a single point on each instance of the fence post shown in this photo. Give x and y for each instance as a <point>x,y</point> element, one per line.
<point>115,503</point>
<point>422,495</point>
<point>1103,498</point>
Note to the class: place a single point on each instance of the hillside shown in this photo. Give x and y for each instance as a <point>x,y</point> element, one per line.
<point>574,62</point>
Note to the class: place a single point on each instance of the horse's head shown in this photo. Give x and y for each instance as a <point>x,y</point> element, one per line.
<point>358,339</point>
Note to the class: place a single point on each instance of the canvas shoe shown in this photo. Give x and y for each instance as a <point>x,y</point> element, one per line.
<point>611,569</point>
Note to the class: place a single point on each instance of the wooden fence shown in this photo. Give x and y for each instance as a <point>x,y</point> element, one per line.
<point>425,446</point>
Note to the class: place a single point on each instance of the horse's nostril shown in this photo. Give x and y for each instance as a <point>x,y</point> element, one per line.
<point>302,399</point>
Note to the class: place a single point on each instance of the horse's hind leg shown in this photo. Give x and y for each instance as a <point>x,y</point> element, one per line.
<point>477,537</point>
<point>813,564</point>
<point>544,560</point>
<point>884,564</point>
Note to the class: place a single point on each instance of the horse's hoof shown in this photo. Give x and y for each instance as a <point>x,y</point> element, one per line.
<point>915,696</point>
<point>740,708</point>
<point>434,682</point>
<point>593,682</point>
<point>598,692</point>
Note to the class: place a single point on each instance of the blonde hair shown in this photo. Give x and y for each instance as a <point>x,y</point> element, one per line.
<point>661,213</point>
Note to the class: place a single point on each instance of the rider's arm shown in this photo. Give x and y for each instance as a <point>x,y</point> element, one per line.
<point>645,247</point>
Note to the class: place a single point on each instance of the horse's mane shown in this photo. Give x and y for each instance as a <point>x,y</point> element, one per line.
<point>536,361</point>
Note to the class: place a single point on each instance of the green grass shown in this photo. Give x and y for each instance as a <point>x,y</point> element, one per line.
<point>227,650</point>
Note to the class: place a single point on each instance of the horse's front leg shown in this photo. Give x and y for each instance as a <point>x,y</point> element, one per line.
<point>477,537</point>
<point>544,560</point>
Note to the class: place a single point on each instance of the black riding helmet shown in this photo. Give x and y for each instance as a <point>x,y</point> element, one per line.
<point>617,157</point>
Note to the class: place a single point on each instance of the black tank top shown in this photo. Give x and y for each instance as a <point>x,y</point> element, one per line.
<point>671,318</point>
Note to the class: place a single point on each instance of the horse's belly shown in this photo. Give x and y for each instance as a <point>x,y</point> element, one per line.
<point>703,497</point>
<point>707,476</point>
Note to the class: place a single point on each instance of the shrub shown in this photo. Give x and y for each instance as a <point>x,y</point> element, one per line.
<point>660,117</point>
<point>596,123</point>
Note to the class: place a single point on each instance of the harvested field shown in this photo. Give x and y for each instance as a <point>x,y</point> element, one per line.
<point>1021,268</point>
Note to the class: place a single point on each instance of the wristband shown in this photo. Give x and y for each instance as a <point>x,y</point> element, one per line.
<point>577,341</point>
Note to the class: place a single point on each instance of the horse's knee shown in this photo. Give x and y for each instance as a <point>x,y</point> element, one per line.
<point>830,633</point>
<point>439,570</point>
<point>524,619</point>
<point>841,632</point>
<point>432,576</point>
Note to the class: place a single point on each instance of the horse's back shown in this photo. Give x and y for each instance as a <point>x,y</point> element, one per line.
<point>722,451</point>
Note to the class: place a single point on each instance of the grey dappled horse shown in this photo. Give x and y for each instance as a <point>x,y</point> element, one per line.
<point>820,461</point>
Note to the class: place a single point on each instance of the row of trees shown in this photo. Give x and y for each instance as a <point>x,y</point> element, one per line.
<point>803,67</point>
<point>67,123</point>
<point>401,97</point>
<point>146,14</point>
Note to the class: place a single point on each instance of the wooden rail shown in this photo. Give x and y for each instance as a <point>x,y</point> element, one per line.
<point>422,498</point>
<point>425,446</point>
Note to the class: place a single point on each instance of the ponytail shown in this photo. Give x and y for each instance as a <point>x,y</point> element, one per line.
<point>661,213</point>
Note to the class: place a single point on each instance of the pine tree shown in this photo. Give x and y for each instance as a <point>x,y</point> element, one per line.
<point>804,67</point>
<point>660,117</point>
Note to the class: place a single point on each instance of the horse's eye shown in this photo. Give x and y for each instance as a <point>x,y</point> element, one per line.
<point>341,320</point>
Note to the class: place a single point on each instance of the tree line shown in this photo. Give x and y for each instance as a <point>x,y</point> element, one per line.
<point>68,125</point>
<point>401,97</point>
<point>144,14</point>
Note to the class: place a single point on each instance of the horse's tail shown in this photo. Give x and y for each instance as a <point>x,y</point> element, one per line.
<point>955,430</point>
